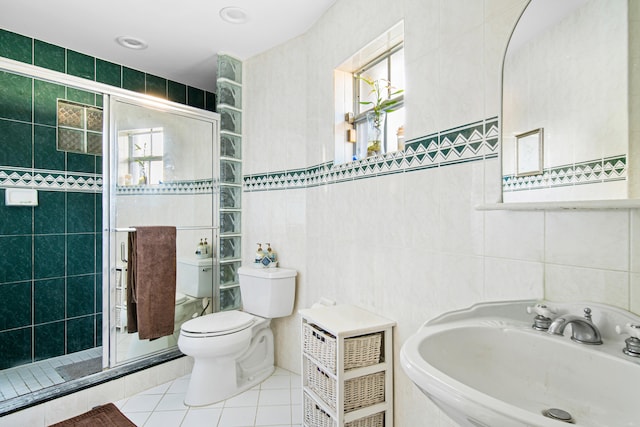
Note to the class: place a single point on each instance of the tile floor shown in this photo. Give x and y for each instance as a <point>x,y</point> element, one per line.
<point>36,376</point>
<point>276,403</point>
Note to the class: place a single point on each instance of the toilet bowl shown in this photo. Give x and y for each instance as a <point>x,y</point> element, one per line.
<point>233,350</point>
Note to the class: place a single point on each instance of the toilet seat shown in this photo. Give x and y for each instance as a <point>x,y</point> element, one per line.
<point>216,324</point>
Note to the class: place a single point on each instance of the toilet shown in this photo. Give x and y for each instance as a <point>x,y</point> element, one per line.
<point>233,350</point>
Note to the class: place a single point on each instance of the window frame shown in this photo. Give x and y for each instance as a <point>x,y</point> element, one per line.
<point>350,124</point>
<point>138,163</point>
<point>360,115</point>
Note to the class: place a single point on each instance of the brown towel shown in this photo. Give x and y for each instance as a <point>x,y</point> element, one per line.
<point>151,282</point>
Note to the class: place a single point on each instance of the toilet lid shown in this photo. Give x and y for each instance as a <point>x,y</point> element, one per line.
<point>221,322</point>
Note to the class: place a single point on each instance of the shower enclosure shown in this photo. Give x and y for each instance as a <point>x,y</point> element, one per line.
<point>102,162</point>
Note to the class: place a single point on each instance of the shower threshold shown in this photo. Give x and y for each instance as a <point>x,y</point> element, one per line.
<point>63,388</point>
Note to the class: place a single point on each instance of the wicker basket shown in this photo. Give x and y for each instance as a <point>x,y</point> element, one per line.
<point>359,392</point>
<point>314,416</point>
<point>375,420</point>
<point>359,351</point>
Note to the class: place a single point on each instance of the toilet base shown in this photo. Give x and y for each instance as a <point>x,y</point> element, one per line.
<point>217,378</point>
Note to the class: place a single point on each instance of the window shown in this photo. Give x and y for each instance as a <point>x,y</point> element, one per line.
<point>140,152</point>
<point>388,71</point>
<point>79,128</point>
<point>381,61</point>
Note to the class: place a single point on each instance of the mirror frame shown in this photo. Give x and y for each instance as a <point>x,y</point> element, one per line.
<point>529,149</point>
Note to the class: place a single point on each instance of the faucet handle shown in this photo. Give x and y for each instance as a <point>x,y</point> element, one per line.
<point>542,321</point>
<point>630,328</point>
<point>633,342</point>
<point>541,310</point>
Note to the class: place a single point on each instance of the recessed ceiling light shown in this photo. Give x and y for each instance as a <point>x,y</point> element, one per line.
<point>132,42</point>
<point>234,15</point>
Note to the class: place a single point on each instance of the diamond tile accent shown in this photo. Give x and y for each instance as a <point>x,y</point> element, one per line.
<point>472,142</point>
<point>204,186</point>
<point>587,172</point>
<point>53,180</point>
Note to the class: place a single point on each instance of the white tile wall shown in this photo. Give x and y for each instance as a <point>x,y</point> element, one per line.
<point>515,235</point>
<point>595,239</point>
<point>411,246</point>
<point>569,283</point>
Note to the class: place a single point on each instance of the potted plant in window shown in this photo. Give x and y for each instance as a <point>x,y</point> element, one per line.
<point>383,94</point>
<point>142,180</point>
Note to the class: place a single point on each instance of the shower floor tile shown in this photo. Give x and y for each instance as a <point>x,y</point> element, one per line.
<point>25,379</point>
<point>276,403</point>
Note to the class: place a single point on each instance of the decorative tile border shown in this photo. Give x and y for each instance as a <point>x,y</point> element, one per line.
<point>83,182</point>
<point>50,180</point>
<point>187,187</point>
<point>588,172</point>
<point>472,142</point>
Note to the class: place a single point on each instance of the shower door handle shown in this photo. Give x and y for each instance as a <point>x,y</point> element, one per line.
<point>122,257</point>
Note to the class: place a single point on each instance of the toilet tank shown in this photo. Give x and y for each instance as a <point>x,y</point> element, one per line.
<point>267,292</point>
<point>195,277</point>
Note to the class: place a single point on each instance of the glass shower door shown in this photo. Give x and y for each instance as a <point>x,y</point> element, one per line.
<point>163,171</point>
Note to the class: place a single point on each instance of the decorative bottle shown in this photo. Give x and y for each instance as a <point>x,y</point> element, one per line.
<point>272,255</point>
<point>259,254</point>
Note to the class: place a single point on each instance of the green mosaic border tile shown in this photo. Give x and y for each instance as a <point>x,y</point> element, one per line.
<point>187,187</point>
<point>593,171</point>
<point>41,54</point>
<point>49,180</point>
<point>467,143</point>
<point>60,180</point>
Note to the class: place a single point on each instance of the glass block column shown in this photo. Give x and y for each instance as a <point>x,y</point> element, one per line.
<point>229,87</point>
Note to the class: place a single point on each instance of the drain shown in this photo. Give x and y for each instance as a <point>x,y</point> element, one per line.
<point>558,414</point>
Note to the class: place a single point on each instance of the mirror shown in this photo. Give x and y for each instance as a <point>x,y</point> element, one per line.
<point>566,75</point>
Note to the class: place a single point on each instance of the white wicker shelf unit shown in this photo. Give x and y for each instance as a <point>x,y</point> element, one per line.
<point>347,367</point>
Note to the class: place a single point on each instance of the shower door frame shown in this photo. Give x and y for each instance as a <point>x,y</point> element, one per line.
<point>107,91</point>
<point>110,230</point>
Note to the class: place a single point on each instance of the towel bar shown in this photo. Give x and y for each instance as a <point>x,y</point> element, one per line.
<point>129,229</point>
<point>193,227</point>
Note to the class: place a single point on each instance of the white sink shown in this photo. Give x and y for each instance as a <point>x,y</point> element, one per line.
<point>486,366</point>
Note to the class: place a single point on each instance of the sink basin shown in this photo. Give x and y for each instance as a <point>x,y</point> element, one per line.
<point>486,366</point>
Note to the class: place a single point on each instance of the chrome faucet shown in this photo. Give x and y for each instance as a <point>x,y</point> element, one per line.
<point>582,328</point>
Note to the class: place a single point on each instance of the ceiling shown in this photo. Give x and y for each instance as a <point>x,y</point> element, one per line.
<point>183,36</point>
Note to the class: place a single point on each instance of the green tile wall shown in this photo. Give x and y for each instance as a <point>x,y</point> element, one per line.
<point>49,56</point>
<point>15,46</point>
<point>51,285</point>
<point>177,92</point>
<point>52,280</point>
